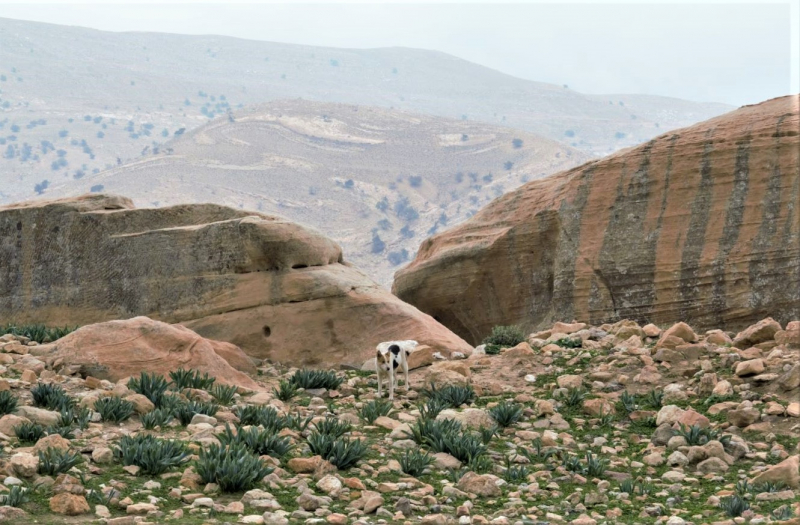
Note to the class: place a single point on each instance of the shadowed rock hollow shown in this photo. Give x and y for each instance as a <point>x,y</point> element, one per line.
<point>272,287</point>
<point>700,224</point>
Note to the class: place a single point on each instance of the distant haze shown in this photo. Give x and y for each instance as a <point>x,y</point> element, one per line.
<point>734,53</point>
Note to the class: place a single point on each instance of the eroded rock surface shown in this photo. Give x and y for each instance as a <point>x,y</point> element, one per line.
<point>700,224</point>
<point>272,287</point>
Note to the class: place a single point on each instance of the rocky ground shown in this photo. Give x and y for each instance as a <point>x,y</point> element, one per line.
<point>610,424</point>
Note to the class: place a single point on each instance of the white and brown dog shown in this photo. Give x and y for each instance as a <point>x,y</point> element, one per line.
<point>390,356</point>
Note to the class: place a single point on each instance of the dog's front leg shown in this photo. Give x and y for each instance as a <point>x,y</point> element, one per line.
<point>391,383</point>
<point>378,371</point>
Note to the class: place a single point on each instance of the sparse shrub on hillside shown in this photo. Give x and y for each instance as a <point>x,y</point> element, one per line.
<point>374,409</point>
<point>156,418</point>
<point>264,416</point>
<point>8,402</point>
<point>151,386</point>
<point>51,397</point>
<point>382,204</point>
<point>378,245</point>
<point>331,426</point>
<point>505,336</point>
<point>517,143</point>
<point>29,432</point>
<point>415,181</point>
<point>313,379</point>
<point>414,462</point>
<point>404,210</point>
<point>37,332</point>
<point>15,497</point>
<point>452,396</point>
<point>507,165</point>
<point>114,409</point>
<point>183,378</point>
<point>506,413</point>
<point>153,455</point>
<point>734,506</point>
<point>263,442</point>
<point>233,468</point>
<point>53,461</point>
<point>396,258</point>
<point>223,393</point>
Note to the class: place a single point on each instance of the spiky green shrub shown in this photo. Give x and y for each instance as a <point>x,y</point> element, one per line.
<point>98,497</point>
<point>537,453</point>
<point>465,447</point>
<point>515,473</point>
<point>186,411</point>
<point>77,416</point>
<point>151,386</point>
<point>573,464</point>
<point>573,398</point>
<point>505,336</point>
<point>8,402</point>
<point>263,442</point>
<point>743,487</point>
<point>769,486</point>
<point>330,426</point>
<point>505,413</point>
<point>153,455</point>
<point>606,420</point>
<point>15,497</point>
<point>697,435</point>
<point>156,418</point>
<point>492,349</point>
<point>734,506</point>
<point>53,461</point>
<point>783,513</point>
<point>233,468</point>
<point>487,433</point>
<point>313,379</point>
<point>427,431</point>
<point>431,408</point>
<point>51,397</point>
<point>114,409</point>
<point>65,432</point>
<point>414,462</point>
<point>286,390</point>
<point>320,444</point>
<point>595,466</point>
<point>37,332</point>
<point>297,422</point>
<point>644,488</point>
<point>627,403</point>
<point>346,453</point>
<point>374,409</point>
<point>627,485</point>
<point>29,432</point>
<point>451,396</point>
<point>224,393</point>
<point>569,342</point>
<point>260,416</point>
<point>654,399</point>
<point>183,378</point>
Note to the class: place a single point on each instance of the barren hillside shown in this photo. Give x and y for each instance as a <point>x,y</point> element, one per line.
<point>75,101</point>
<point>378,181</point>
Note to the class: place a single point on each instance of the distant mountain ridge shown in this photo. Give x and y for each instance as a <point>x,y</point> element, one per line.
<point>378,181</point>
<point>74,101</point>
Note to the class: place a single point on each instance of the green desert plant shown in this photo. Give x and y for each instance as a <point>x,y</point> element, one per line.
<point>734,506</point>
<point>492,349</point>
<point>346,453</point>
<point>65,432</point>
<point>506,413</point>
<point>569,342</point>
<point>451,396</point>
<point>183,378</point>
<point>374,409</point>
<point>260,416</point>
<point>505,336</point>
<point>184,412</point>
<point>487,433</point>
<point>286,390</point>
<point>233,468</point>
<point>37,332</point>
<point>79,417</point>
<point>573,398</point>
<point>223,393</point>
<point>595,466</point>
<point>156,418</point>
<point>151,386</point>
<point>8,402</point>
<point>654,399</point>
<point>297,422</point>
<point>414,462</point>
<point>114,409</point>
<point>29,432</point>
<point>53,461</point>
<point>515,473</point>
<point>153,455</point>
<point>51,397</point>
<point>331,426</point>
<point>15,497</point>
<point>259,441</point>
<point>627,485</point>
<point>627,402</point>
<point>313,379</point>
<point>769,486</point>
<point>431,408</point>
<point>427,431</point>
<point>743,487</point>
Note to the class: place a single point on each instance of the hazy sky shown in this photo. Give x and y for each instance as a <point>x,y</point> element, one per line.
<point>731,52</point>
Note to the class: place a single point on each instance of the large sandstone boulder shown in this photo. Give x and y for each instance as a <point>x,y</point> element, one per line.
<point>118,349</point>
<point>273,288</point>
<point>698,224</point>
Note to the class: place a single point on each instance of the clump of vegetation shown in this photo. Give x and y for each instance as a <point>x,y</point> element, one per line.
<point>260,416</point>
<point>114,409</point>
<point>451,396</point>
<point>573,398</point>
<point>78,417</point>
<point>156,418</point>
<point>654,399</point>
<point>186,411</point>
<point>414,462</point>
<point>313,379</point>
<point>263,442</point>
<point>505,336</point>
<point>341,452</point>
<point>223,393</point>
<point>569,342</point>
<point>374,409</point>
<point>734,506</point>
<point>15,497</point>
<point>53,461</point>
<point>183,378</point>
<point>37,332</point>
<point>286,390</point>
<point>151,386</point>
<point>697,435</point>
<point>515,473</point>
<point>29,432</point>
<point>65,432</point>
<point>51,397</point>
<point>233,468</point>
<point>330,426</point>
<point>506,413</point>
<point>8,402</point>
<point>153,455</point>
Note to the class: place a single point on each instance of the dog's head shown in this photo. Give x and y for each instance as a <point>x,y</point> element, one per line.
<point>388,357</point>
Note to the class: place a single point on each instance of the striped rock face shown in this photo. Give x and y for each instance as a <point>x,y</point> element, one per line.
<point>698,225</point>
